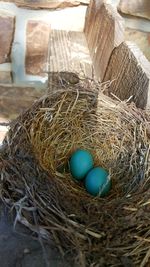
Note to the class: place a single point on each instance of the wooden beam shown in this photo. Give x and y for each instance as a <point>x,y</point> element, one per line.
<point>68,59</point>
<point>129,73</point>
<point>104,30</point>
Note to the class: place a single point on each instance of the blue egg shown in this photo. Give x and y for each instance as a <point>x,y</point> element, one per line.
<point>81,162</point>
<point>97,182</point>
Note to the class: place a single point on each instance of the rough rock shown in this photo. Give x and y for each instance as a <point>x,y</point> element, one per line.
<point>7,27</point>
<point>37,41</point>
<point>14,100</point>
<point>142,40</point>
<point>140,8</point>
<point>46,4</point>
<point>5,77</point>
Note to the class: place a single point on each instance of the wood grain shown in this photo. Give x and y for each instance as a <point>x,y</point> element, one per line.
<point>129,73</point>
<point>68,52</point>
<point>104,30</point>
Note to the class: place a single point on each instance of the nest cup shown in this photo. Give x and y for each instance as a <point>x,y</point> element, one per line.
<point>93,122</point>
<point>96,231</point>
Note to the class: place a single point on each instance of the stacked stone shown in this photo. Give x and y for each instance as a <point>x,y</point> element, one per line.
<point>24,42</point>
<point>7,28</point>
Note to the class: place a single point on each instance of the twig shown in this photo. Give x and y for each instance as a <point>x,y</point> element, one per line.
<point>5,123</point>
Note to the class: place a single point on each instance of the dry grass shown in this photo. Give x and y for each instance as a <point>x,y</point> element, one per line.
<point>35,180</point>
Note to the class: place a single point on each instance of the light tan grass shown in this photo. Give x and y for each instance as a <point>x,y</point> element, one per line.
<point>108,129</point>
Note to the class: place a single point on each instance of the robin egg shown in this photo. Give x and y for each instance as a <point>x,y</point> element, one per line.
<point>97,182</point>
<point>81,162</point>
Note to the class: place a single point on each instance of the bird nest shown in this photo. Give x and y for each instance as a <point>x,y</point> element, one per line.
<point>36,182</point>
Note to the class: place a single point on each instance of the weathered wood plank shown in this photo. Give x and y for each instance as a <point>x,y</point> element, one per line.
<point>69,53</point>
<point>69,58</point>
<point>104,30</point>
<point>129,73</point>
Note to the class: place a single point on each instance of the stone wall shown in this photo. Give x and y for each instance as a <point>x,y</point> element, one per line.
<point>48,4</point>
<point>7,28</point>
<point>24,44</point>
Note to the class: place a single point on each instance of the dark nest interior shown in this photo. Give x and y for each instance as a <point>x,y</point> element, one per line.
<point>36,183</point>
